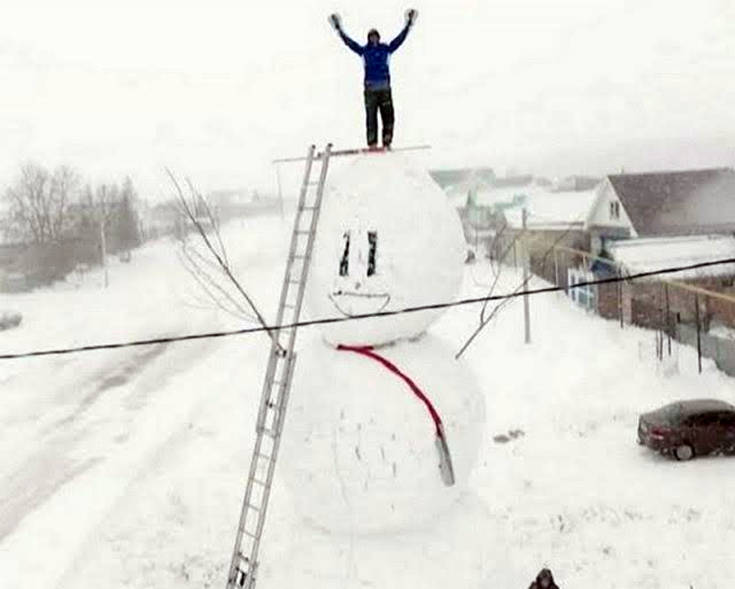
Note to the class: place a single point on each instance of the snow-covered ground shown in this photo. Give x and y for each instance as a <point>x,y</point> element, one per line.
<point>126,468</point>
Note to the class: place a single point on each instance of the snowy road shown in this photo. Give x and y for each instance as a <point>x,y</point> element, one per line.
<point>125,469</point>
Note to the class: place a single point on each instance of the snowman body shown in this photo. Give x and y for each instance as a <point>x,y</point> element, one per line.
<point>360,451</point>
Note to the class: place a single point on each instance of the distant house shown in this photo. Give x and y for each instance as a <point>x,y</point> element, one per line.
<point>461,182</point>
<point>690,202</point>
<point>515,181</point>
<point>164,218</point>
<point>574,183</point>
<point>240,202</point>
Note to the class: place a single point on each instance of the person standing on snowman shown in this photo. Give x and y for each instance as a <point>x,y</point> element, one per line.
<point>378,97</point>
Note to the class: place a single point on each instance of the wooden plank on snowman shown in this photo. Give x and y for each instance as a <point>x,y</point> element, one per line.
<point>355,151</point>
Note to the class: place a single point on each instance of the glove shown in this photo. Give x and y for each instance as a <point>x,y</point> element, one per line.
<point>411,15</point>
<point>335,21</point>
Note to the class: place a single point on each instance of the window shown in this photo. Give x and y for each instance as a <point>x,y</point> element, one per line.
<point>615,210</point>
<point>706,419</point>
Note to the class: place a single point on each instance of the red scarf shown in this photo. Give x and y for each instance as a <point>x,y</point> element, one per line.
<point>370,353</point>
<point>445,459</point>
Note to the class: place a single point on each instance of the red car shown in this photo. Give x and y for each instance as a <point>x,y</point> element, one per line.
<point>686,429</point>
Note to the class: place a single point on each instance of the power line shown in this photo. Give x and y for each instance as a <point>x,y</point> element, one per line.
<point>328,320</point>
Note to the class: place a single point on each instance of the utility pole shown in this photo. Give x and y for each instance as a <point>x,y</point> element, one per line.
<point>526,264</point>
<point>699,332</point>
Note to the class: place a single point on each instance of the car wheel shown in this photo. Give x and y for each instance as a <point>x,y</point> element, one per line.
<point>684,452</point>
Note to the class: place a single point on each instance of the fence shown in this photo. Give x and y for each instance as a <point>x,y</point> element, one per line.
<point>696,315</point>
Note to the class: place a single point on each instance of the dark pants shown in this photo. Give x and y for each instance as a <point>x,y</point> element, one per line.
<point>379,100</point>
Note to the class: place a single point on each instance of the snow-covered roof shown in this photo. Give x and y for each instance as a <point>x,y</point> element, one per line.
<point>656,253</point>
<point>546,209</point>
<point>684,202</point>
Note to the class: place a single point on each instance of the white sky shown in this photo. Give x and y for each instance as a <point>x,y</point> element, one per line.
<point>217,89</point>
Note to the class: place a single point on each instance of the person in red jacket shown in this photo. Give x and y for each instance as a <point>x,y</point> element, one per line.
<point>378,96</point>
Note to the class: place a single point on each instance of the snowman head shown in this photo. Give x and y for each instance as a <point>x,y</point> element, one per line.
<point>387,240</point>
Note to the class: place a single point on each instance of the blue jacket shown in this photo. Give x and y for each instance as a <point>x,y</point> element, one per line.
<point>375,58</point>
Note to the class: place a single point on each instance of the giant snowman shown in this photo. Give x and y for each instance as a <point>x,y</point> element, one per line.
<point>384,425</point>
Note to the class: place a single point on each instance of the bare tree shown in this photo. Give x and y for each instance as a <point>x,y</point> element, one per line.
<point>126,228</point>
<point>38,202</point>
<point>65,184</point>
<point>503,302</point>
<point>208,263</point>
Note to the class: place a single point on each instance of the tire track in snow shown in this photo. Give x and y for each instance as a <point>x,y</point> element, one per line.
<point>53,465</point>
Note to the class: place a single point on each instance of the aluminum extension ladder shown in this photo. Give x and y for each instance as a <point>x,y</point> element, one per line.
<point>276,387</point>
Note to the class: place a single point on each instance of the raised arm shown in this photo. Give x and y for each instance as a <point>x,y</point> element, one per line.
<point>398,41</point>
<point>351,43</point>
<point>411,16</point>
<point>336,22</point>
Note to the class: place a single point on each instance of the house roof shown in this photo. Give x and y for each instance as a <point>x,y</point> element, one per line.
<point>453,177</point>
<point>575,183</point>
<point>678,203</point>
<point>518,181</point>
<point>546,210</point>
<point>657,253</point>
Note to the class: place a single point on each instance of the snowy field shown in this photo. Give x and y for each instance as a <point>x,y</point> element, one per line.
<point>126,468</point>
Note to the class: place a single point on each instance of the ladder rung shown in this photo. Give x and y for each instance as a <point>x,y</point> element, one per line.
<point>241,581</point>
<point>303,231</point>
<point>254,507</point>
<point>266,456</point>
<point>261,483</point>
<point>308,208</point>
<point>240,572</point>
<point>253,536</point>
<point>271,432</point>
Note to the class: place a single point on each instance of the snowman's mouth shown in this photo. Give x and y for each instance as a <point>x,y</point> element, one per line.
<point>351,303</point>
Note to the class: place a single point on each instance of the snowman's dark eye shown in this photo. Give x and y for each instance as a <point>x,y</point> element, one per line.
<point>373,243</point>
<point>344,263</point>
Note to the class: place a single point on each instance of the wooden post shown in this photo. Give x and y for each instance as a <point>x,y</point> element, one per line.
<point>699,337</point>
<point>621,311</point>
<point>668,317</point>
<point>556,266</point>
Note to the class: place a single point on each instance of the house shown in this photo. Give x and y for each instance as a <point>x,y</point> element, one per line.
<point>647,301</point>
<point>572,183</point>
<point>163,218</point>
<point>552,219</point>
<point>240,202</point>
<point>689,202</point>
<point>458,184</point>
<point>643,214</point>
<point>463,177</point>
<point>516,181</point>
